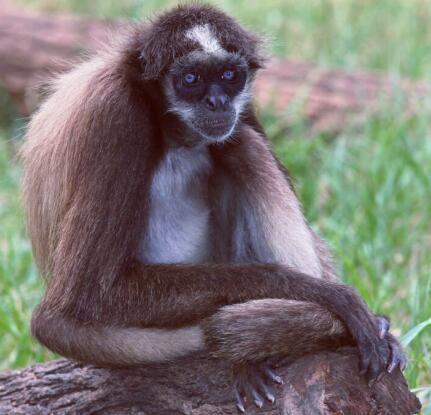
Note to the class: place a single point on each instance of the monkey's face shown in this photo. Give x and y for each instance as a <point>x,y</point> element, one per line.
<point>208,92</point>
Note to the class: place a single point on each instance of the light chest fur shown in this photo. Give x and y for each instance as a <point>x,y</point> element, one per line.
<point>178,229</point>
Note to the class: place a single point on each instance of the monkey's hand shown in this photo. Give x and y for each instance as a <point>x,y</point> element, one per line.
<point>374,351</point>
<point>397,355</point>
<point>253,383</point>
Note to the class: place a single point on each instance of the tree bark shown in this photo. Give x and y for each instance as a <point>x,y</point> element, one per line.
<point>325,383</point>
<point>32,47</point>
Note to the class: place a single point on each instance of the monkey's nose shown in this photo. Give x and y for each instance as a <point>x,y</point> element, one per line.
<point>216,100</point>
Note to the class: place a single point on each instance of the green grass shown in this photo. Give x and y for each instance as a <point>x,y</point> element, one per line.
<point>367,191</point>
<point>20,286</point>
<point>368,194</point>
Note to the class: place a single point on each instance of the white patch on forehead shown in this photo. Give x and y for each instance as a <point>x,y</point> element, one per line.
<point>203,35</point>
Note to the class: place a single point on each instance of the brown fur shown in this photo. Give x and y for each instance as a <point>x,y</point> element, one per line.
<point>89,157</point>
<point>255,176</point>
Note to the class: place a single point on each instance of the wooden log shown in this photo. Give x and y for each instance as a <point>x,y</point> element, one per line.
<point>325,383</point>
<point>33,46</point>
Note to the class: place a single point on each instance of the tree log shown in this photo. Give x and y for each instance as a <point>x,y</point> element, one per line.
<point>325,383</point>
<point>33,46</point>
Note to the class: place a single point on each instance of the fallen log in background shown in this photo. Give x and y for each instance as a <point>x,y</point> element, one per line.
<point>325,383</point>
<point>32,46</point>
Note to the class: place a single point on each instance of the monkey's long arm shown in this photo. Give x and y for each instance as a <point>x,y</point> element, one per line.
<point>177,295</point>
<point>167,296</point>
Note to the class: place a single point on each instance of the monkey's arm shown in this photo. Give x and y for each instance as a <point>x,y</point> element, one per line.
<point>173,295</point>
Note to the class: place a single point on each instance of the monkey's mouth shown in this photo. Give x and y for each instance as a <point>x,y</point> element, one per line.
<point>215,128</point>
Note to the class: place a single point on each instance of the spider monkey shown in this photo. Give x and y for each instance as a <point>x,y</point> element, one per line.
<point>163,222</point>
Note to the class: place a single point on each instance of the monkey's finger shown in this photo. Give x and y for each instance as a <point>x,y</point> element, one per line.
<point>373,372</point>
<point>272,375</point>
<point>364,361</point>
<point>370,365</point>
<point>239,401</point>
<point>397,359</point>
<point>379,360</point>
<point>403,363</point>
<point>267,390</point>
<point>384,326</point>
<point>255,395</point>
<point>280,362</point>
<point>397,355</point>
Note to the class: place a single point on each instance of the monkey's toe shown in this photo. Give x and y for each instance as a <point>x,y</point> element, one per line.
<point>252,383</point>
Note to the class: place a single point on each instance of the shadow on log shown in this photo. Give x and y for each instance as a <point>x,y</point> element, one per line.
<point>325,383</point>
<point>33,46</point>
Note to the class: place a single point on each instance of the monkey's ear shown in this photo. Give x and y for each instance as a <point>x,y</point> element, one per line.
<point>153,61</point>
<point>251,47</point>
<point>142,60</point>
<point>256,62</point>
<point>157,50</point>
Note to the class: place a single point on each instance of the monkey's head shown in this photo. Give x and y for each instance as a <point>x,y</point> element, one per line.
<point>205,61</point>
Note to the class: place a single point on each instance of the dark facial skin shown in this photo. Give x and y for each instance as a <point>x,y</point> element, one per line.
<point>204,91</point>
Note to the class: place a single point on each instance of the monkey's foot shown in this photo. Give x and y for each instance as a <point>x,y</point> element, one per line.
<point>251,382</point>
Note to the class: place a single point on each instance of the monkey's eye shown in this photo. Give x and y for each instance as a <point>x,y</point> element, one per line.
<point>229,75</point>
<point>190,78</point>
